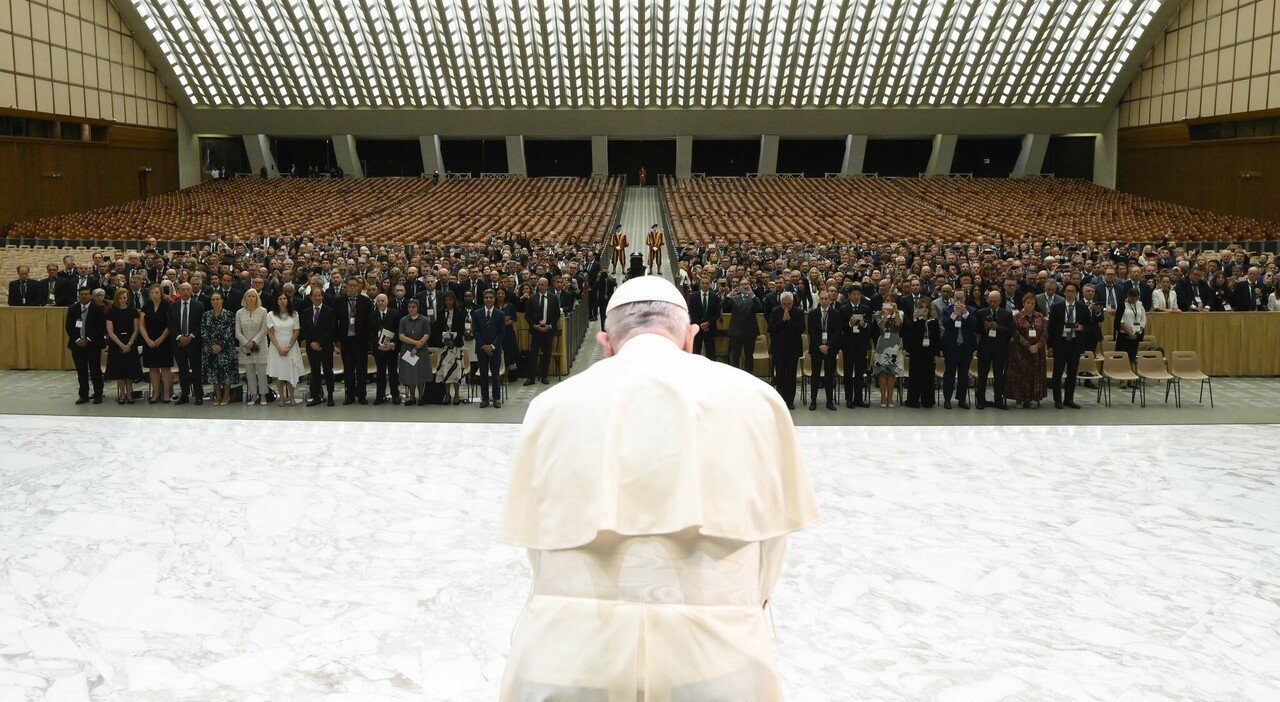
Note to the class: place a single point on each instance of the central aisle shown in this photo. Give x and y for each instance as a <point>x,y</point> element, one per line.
<point>152,559</point>
<point>641,209</point>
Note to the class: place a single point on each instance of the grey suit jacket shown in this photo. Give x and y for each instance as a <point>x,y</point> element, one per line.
<point>1043,303</point>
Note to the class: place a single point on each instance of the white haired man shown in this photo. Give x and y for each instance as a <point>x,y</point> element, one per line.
<point>635,555</point>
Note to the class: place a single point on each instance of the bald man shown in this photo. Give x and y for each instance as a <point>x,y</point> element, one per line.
<point>995,329</point>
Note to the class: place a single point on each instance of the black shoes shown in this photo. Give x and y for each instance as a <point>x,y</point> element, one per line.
<point>330,402</point>
<point>1072,405</point>
<point>484,404</point>
<point>395,400</point>
<point>545,380</point>
<point>946,404</point>
<point>314,401</point>
<point>529,382</point>
<point>1057,404</point>
<point>791,405</point>
<point>97,399</point>
<point>362,400</point>
<point>962,404</point>
<point>182,400</point>
<point>349,401</point>
<point>378,401</point>
<point>82,401</point>
<point>199,401</point>
<point>831,405</point>
<point>813,405</point>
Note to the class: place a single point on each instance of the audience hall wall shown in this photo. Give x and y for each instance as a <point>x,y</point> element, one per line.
<point>1163,163</point>
<point>93,174</point>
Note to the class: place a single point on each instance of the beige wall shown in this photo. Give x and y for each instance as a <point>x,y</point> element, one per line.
<point>76,58</point>
<point>1217,57</point>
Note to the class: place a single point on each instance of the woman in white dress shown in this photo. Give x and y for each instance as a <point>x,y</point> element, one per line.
<point>251,335</point>
<point>284,361</point>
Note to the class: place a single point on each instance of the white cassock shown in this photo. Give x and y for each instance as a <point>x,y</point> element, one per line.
<point>654,492</point>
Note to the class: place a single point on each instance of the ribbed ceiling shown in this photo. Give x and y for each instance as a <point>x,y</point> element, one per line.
<point>645,53</point>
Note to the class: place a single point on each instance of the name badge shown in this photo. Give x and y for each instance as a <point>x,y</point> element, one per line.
<point>959,324</point>
<point>1031,333</point>
<point>79,324</point>
<point>886,335</point>
<point>926,342</point>
<point>824,337</point>
<point>857,330</point>
<point>991,333</point>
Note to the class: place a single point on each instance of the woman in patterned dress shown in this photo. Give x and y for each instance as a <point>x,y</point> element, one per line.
<point>221,363</point>
<point>1028,355</point>
<point>889,352</point>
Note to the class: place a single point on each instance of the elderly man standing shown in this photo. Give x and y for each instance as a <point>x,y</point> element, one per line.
<point>647,584</point>
<point>786,345</point>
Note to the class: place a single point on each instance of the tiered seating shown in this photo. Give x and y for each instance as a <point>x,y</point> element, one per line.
<point>778,211</point>
<point>244,207</point>
<point>551,209</point>
<point>1077,210</point>
<point>917,211</point>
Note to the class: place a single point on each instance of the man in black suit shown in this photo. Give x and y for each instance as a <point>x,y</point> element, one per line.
<point>184,329</point>
<point>825,324</point>
<point>743,306</point>
<point>86,327</point>
<point>73,281</point>
<point>995,329</point>
<point>704,311</point>
<point>601,291</point>
<point>384,329</point>
<point>1242,297</point>
<point>543,316</point>
<point>1194,293</point>
<point>319,325</point>
<point>49,287</point>
<point>138,295</point>
<point>430,300</point>
<point>908,300</point>
<point>857,336</point>
<point>24,292</point>
<point>1067,322</point>
<point>786,345</point>
<point>353,340</point>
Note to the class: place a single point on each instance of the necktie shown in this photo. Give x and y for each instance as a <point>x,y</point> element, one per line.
<point>315,317</point>
<point>1111,297</point>
<point>23,287</point>
<point>704,303</point>
<point>543,302</point>
<point>184,318</point>
<point>84,319</point>
<point>824,320</point>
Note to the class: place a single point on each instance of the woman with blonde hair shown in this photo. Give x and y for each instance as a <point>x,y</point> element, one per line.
<point>123,363</point>
<point>889,360</point>
<point>251,336</point>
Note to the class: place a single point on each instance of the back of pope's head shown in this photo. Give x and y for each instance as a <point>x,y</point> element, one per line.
<point>654,440</point>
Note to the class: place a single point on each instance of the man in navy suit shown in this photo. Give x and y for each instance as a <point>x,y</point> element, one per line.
<point>86,333</point>
<point>825,325</point>
<point>488,324</point>
<point>959,322</point>
<point>319,325</point>
<point>184,329</point>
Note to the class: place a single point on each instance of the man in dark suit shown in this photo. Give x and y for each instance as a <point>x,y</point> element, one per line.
<point>184,329</point>
<point>601,291</point>
<point>825,325</point>
<point>995,329</point>
<point>319,326</point>
<point>73,281</point>
<point>857,337</point>
<point>958,324</point>
<point>704,311</point>
<point>543,315</point>
<point>49,286</point>
<point>1242,298</point>
<point>430,300</point>
<point>1135,281</point>
<point>86,327</point>
<point>138,295</point>
<point>24,292</point>
<point>384,329</point>
<point>908,300</point>
<point>743,306</point>
<point>1194,293</point>
<point>353,340</point>
<point>786,345</point>
<point>487,327</point>
<point>1067,321</point>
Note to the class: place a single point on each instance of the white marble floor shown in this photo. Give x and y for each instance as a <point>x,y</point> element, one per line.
<point>227,560</point>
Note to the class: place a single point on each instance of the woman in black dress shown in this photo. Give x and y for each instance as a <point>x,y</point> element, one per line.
<point>922,339</point>
<point>510,354</point>
<point>157,352</point>
<point>122,346</point>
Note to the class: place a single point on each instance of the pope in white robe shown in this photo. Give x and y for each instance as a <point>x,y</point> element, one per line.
<point>654,493</point>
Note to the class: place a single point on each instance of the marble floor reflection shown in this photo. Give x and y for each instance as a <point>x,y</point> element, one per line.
<point>269,560</point>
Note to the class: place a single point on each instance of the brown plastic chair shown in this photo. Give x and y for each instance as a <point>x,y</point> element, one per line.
<point>1151,366</point>
<point>1185,365</point>
<point>1115,366</point>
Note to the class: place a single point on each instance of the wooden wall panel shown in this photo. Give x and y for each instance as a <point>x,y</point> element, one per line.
<point>1205,175</point>
<point>93,174</point>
